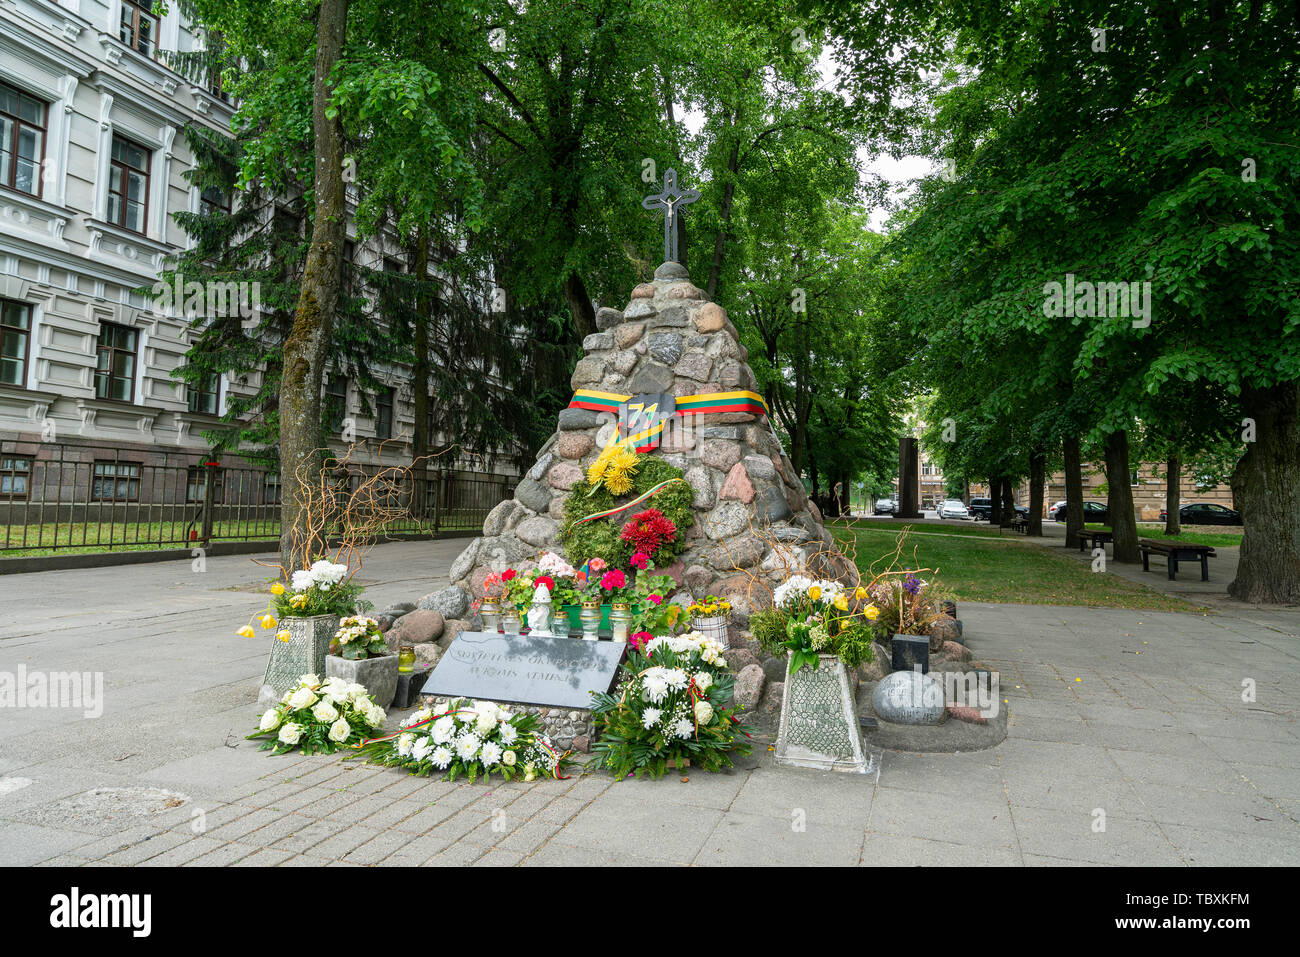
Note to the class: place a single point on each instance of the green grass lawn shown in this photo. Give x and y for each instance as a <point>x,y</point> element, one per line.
<point>1192,534</point>
<point>980,568</point>
<point>928,527</point>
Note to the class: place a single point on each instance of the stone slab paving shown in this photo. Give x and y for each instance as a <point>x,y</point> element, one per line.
<point>1131,719</point>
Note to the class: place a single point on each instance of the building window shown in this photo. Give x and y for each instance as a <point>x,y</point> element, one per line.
<point>213,200</point>
<point>384,413</point>
<point>115,482</point>
<point>271,489</point>
<point>138,26</point>
<point>15,337</point>
<point>1133,478</point>
<point>128,185</point>
<point>15,474</point>
<point>22,140</point>
<point>205,395</point>
<point>115,370</point>
<point>196,484</point>
<point>336,402</point>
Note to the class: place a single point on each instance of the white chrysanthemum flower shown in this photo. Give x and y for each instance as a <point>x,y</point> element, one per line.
<point>508,733</point>
<point>424,714</point>
<point>444,729</point>
<point>486,724</point>
<point>340,730</point>
<point>490,754</point>
<point>654,686</point>
<point>325,712</point>
<point>404,744</point>
<point>441,756</point>
<point>422,748</point>
<point>683,728</point>
<point>467,746</point>
<point>301,580</point>
<point>650,717</point>
<point>270,720</point>
<point>676,678</point>
<point>290,733</point>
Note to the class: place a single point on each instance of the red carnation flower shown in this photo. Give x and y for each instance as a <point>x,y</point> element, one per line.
<point>649,531</point>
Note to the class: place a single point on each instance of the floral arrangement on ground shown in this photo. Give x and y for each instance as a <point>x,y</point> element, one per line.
<point>616,538</point>
<point>470,739</point>
<point>670,707</point>
<point>320,717</point>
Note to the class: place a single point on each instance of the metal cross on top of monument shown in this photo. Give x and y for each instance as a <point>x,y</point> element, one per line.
<point>668,201</point>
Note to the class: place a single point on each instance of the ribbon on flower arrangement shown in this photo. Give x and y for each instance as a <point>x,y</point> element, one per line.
<point>632,504</point>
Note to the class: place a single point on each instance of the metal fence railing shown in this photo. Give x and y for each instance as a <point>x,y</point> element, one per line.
<point>56,496</point>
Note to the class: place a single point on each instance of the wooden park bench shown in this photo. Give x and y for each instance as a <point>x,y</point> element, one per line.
<point>1094,538</point>
<point>1175,552</point>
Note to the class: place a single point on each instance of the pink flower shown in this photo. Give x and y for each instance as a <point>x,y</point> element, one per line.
<point>657,599</point>
<point>640,639</point>
<point>613,579</point>
<point>597,564</point>
<point>640,560</point>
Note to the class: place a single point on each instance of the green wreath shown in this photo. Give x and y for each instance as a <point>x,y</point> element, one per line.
<point>599,538</point>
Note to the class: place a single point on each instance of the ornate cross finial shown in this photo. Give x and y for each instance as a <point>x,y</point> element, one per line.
<point>669,201</point>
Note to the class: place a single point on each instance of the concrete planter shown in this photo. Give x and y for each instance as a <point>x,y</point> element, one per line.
<point>377,675</point>
<point>303,654</point>
<point>819,720</point>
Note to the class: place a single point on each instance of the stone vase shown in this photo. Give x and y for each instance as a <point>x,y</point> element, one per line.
<point>377,675</point>
<point>303,654</point>
<point>819,720</point>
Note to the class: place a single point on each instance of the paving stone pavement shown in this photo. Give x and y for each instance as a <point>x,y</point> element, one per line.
<point>1129,743</point>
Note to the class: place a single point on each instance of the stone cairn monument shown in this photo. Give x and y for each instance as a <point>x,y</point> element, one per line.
<point>671,339</point>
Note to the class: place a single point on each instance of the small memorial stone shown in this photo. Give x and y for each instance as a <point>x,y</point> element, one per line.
<point>910,651</point>
<point>908,697</point>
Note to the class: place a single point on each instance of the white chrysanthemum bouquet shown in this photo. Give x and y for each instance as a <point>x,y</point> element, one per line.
<point>319,717</point>
<point>469,739</point>
<point>671,708</point>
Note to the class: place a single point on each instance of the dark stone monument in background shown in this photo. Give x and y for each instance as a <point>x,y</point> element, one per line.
<point>909,479</point>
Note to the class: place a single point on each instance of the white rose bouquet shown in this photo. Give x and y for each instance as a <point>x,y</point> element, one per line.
<point>320,717</point>
<point>671,707</point>
<point>470,739</point>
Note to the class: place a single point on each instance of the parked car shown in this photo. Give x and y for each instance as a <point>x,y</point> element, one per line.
<point>884,506</point>
<point>1094,513</point>
<point>1205,513</point>
<point>953,508</point>
<point>981,509</point>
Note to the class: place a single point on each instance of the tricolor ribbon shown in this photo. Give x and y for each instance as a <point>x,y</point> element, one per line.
<point>702,404</point>
<point>632,504</point>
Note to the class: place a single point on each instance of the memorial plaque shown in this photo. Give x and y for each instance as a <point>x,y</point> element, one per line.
<point>522,669</point>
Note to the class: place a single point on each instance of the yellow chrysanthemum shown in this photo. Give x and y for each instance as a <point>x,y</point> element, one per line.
<point>245,632</point>
<point>618,483</point>
<point>277,589</point>
<point>596,470</point>
<point>267,622</point>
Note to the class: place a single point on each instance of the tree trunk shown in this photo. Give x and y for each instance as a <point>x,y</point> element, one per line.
<point>1008,502</point>
<point>1173,494</point>
<point>1037,479</point>
<point>1266,490</point>
<point>420,372</point>
<point>313,323</point>
<point>1073,491</point>
<point>1119,500</point>
<point>575,295</point>
<point>724,216</point>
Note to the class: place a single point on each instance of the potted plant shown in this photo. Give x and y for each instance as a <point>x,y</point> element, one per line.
<point>825,631</point>
<point>710,617</point>
<point>359,655</point>
<point>906,604</point>
<point>306,609</point>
